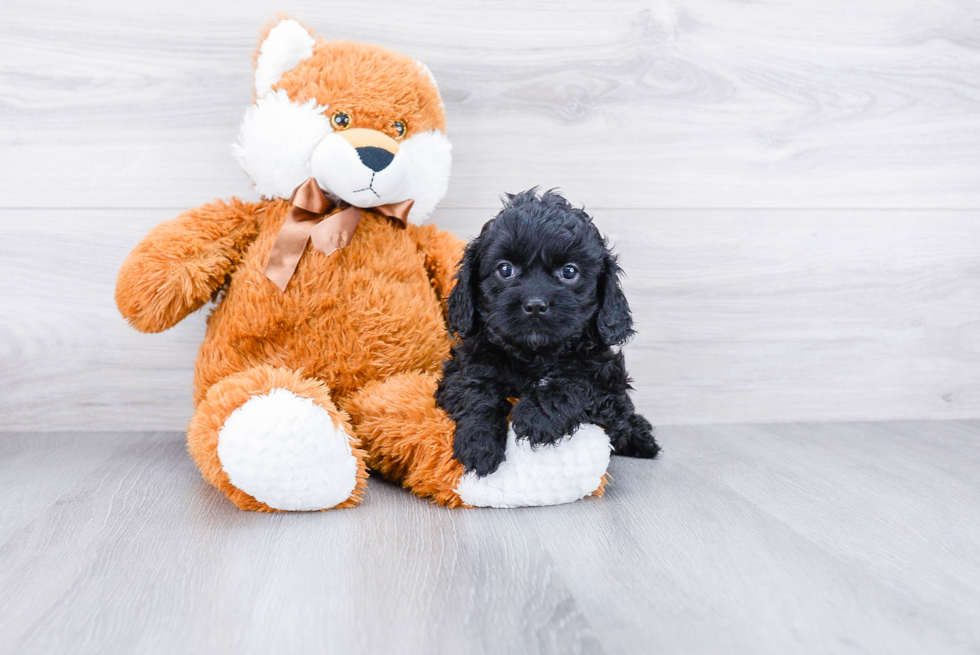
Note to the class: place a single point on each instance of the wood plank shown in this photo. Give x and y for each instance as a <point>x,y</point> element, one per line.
<point>65,459</point>
<point>791,538</point>
<point>837,488</point>
<point>68,356</point>
<point>149,559</point>
<point>693,103</point>
<point>742,316</point>
<point>744,539</point>
<point>750,316</point>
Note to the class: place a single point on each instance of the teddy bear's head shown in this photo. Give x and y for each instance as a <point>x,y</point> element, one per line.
<point>367,123</point>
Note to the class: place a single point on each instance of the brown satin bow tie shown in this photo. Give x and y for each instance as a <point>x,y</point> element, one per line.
<point>308,221</point>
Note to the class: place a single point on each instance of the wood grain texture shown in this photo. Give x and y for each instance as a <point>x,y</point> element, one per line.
<point>118,115</point>
<point>784,539</point>
<point>674,103</point>
<point>742,316</point>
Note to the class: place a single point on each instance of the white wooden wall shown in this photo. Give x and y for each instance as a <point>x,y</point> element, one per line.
<point>794,185</point>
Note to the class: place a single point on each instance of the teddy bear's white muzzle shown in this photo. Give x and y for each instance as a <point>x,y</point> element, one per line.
<point>364,176</point>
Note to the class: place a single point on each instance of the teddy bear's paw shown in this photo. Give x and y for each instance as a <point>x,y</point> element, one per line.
<point>285,451</point>
<point>548,475</point>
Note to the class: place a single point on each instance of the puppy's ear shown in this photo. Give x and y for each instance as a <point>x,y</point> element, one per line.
<point>614,320</point>
<point>461,303</point>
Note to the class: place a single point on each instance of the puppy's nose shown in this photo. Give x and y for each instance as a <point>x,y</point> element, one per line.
<point>535,307</point>
<point>377,159</point>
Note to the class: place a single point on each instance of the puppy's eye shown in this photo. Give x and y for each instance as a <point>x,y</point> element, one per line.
<point>505,270</point>
<point>340,120</point>
<point>569,272</point>
<point>400,129</point>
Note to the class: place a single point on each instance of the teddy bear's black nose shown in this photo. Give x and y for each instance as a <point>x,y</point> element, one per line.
<point>377,159</point>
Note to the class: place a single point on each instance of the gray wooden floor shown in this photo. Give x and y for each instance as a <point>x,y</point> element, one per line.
<point>794,538</point>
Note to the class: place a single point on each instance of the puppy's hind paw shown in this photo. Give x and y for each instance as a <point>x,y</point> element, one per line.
<point>639,440</point>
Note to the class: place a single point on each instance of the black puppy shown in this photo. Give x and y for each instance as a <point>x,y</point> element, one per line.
<point>536,308</point>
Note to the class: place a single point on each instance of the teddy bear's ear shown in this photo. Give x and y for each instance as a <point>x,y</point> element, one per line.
<point>285,45</point>
<point>425,71</point>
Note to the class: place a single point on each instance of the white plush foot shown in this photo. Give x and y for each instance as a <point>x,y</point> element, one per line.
<point>550,475</point>
<point>285,451</point>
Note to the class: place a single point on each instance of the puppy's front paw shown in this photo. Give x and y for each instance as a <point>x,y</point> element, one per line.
<point>639,440</point>
<point>479,451</point>
<point>530,423</point>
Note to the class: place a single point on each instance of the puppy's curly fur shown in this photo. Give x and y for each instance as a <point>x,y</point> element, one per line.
<point>536,309</point>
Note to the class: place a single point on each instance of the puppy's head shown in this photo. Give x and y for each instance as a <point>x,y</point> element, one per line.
<point>538,276</point>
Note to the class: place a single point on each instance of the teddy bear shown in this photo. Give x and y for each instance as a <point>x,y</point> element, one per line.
<point>328,330</point>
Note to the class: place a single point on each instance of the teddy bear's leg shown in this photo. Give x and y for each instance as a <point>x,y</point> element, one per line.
<point>271,439</point>
<point>409,440</point>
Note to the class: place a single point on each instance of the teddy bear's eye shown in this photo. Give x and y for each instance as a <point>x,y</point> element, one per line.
<point>400,128</point>
<point>340,120</point>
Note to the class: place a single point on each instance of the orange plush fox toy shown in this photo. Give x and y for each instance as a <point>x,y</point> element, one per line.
<point>323,351</point>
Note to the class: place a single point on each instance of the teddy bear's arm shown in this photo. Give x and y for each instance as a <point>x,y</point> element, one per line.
<point>442,251</point>
<point>181,263</point>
